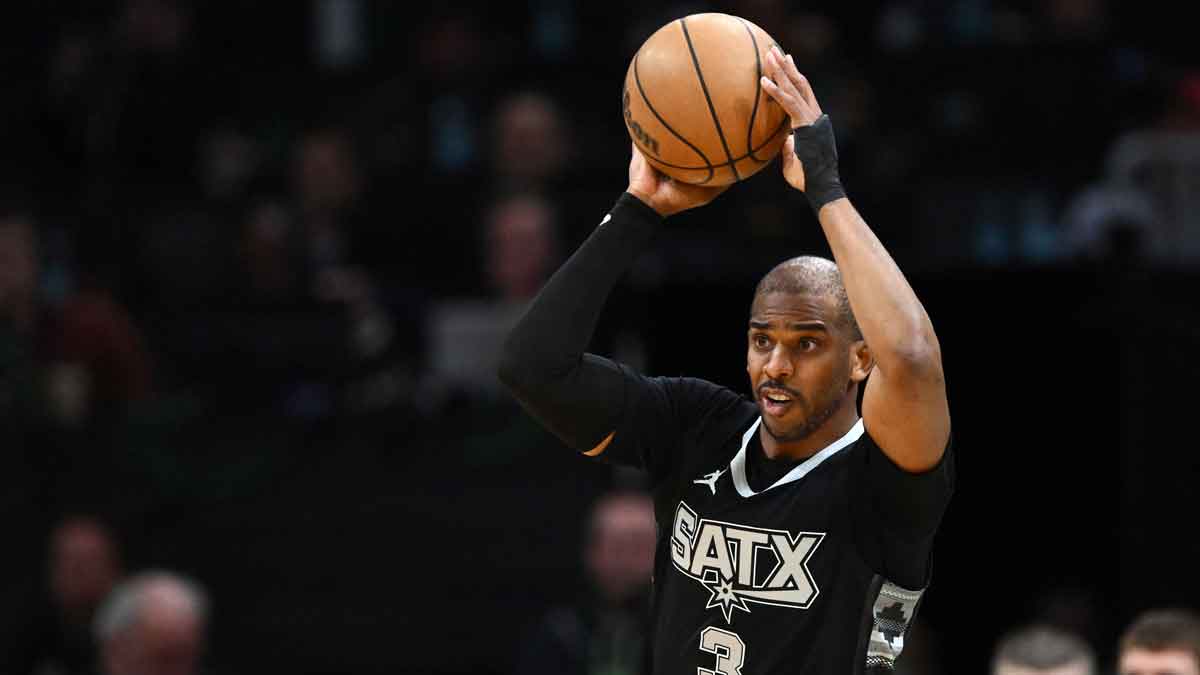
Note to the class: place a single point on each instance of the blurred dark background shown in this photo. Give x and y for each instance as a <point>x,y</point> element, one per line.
<point>256,258</point>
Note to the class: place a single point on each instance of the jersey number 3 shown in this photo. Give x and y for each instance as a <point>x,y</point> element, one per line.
<point>729,648</point>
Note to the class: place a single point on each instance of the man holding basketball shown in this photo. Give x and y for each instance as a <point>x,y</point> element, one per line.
<point>794,536</point>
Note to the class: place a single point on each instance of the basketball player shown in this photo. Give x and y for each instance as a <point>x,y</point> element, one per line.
<point>794,536</point>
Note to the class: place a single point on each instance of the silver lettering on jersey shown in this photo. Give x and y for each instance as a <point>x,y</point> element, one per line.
<point>727,558</point>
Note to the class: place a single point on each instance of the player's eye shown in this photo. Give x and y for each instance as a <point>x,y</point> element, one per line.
<point>762,341</point>
<point>807,344</point>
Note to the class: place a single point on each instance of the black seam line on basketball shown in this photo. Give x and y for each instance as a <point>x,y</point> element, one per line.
<point>749,155</point>
<point>757,86</point>
<point>704,87</point>
<point>637,78</point>
<point>711,170</point>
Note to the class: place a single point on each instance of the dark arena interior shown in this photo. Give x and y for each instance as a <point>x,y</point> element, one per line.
<point>258,261</point>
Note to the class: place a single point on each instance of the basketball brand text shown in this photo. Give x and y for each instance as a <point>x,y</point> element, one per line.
<point>647,141</point>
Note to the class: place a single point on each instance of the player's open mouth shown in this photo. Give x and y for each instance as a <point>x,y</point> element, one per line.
<point>775,403</point>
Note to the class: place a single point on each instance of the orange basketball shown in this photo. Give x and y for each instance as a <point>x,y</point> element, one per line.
<point>694,103</point>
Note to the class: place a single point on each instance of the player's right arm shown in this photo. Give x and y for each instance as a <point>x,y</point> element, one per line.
<point>581,397</point>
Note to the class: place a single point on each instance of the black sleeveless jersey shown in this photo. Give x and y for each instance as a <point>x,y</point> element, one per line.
<point>810,568</point>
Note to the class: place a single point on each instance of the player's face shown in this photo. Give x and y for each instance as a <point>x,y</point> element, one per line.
<point>1162,662</point>
<point>798,359</point>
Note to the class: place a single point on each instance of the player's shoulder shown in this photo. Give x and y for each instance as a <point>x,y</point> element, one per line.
<point>718,416</point>
<point>693,396</point>
<point>865,452</point>
<point>713,420</point>
<point>863,449</point>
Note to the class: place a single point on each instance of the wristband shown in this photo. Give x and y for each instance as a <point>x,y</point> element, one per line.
<point>816,148</point>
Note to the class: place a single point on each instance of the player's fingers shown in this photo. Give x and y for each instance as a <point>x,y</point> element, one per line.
<point>637,163</point>
<point>792,104</point>
<point>803,86</point>
<point>693,195</point>
<point>781,97</point>
<point>789,152</point>
<point>779,78</point>
<point>774,69</point>
<point>789,79</point>
<point>788,65</point>
<point>798,81</point>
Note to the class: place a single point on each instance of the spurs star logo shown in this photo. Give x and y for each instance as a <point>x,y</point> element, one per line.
<point>740,565</point>
<point>710,480</point>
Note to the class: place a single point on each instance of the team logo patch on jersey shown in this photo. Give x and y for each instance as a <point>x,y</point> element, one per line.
<point>739,565</point>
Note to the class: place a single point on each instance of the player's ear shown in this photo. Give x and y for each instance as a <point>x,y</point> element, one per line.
<point>861,361</point>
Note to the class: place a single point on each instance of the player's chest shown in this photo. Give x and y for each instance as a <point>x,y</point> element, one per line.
<point>812,497</point>
<point>765,548</point>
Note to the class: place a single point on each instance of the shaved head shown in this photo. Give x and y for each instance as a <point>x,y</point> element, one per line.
<point>811,275</point>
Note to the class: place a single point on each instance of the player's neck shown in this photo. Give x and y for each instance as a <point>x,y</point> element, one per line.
<point>838,425</point>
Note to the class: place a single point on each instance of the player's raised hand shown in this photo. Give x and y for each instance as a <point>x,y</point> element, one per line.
<point>810,162</point>
<point>784,83</point>
<point>793,169</point>
<point>661,193</point>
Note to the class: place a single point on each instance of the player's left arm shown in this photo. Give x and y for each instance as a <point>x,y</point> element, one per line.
<point>904,404</point>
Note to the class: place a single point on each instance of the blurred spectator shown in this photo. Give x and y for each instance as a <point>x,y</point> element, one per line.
<point>339,33</point>
<point>153,121</point>
<point>99,344</point>
<point>1161,642</point>
<point>1076,609</point>
<point>91,354</point>
<point>1161,163</point>
<point>329,201</point>
<point>609,631</point>
<point>529,139</point>
<point>18,271</point>
<point>520,246</point>
<point>84,564</point>
<point>153,624</point>
<point>329,194</point>
<point>1042,650</point>
<point>272,256</point>
<point>327,185</point>
<point>1111,223</point>
<point>453,55</point>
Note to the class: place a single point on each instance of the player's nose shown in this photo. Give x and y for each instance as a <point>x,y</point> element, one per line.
<point>778,366</point>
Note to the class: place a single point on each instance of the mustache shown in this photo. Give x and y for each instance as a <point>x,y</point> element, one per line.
<point>779,386</point>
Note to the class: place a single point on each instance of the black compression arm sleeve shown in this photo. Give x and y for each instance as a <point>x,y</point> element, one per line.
<point>577,396</point>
